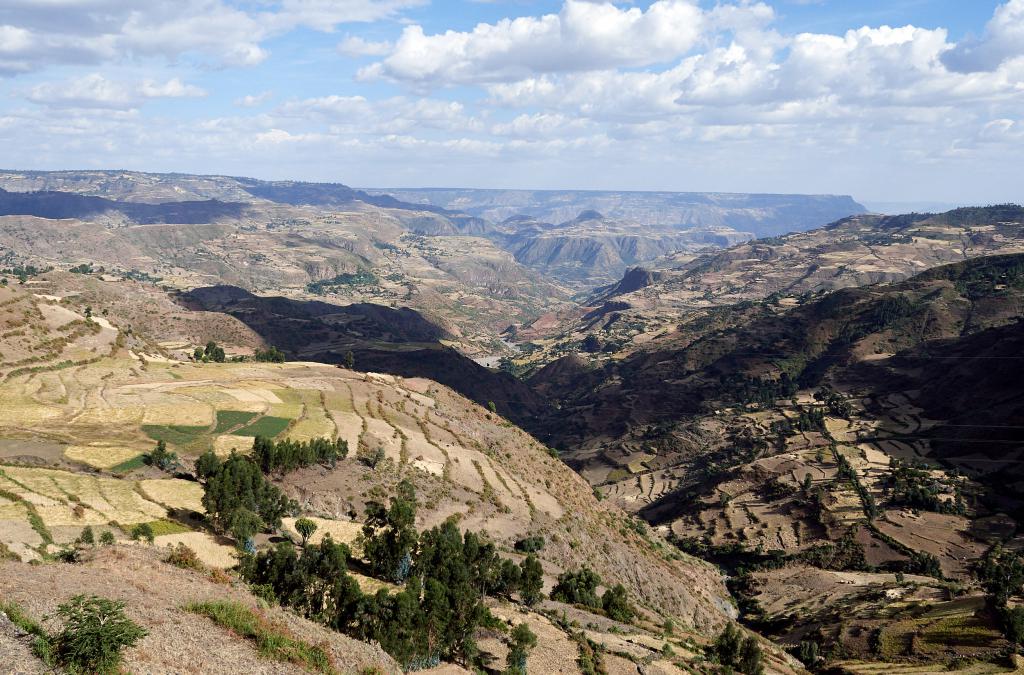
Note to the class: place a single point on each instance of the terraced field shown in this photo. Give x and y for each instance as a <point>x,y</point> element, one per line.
<point>79,433</point>
<point>43,509</point>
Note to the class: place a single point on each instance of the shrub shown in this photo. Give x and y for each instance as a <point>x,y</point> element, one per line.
<point>1013,625</point>
<point>184,557</point>
<point>243,525</point>
<point>521,641</point>
<point>531,580</point>
<point>95,632</point>
<point>736,652</point>
<point>87,536</point>
<point>107,538</point>
<point>809,652</point>
<point>144,532</point>
<point>530,544</point>
<point>616,603</point>
<point>272,641</point>
<point>578,588</point>
<point>42,646</point>
<point>162,458</point>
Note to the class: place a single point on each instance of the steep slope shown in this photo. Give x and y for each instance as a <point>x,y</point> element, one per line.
<point>398,341</point>
<point>818,449</point>
<point>155,594</point>
<point>685,374</point>
<point>72,434</point>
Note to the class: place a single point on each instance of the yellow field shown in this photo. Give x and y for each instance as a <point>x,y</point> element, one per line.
<point>341,531</point>
<point>100,455</point>
<point>224,445</point>
<point>174,493</point>
<point>314,422</point>
<point>209,551</point>
<point>63,502</point>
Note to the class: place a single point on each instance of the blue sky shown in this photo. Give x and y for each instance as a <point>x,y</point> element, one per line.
<point>899,100</point>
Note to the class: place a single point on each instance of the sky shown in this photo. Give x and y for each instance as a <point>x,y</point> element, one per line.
<point>885,100</point>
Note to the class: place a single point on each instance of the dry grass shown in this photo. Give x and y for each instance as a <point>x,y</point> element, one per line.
<point>341,531</point>
<point>209,551</point>
<point>100,455</point>
<point>174,493</point>
<point>56,494</point>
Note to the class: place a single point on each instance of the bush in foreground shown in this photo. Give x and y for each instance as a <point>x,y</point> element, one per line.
<point>95,633</point>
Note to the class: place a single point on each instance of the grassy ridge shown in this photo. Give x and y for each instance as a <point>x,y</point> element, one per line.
<point>272,641</point>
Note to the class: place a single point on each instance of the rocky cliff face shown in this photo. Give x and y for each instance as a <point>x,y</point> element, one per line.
<point>593,249</point>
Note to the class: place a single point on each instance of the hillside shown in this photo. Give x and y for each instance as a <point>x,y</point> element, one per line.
<point>398,341</point>
<point>858,433</point>
<point>301,240</point>
<point>683,291</point>
<point>78,421</point>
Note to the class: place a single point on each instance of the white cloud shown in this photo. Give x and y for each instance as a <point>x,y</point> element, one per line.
<point>96,91</point>
<point>253,100</point>
<point>35,34</point>
<point>325,15</point>
<point>650,94</point>
<point>1003,40</point>
<point>541,125</point>
<point>398,115</point>
<point>173,88</point>
<point>357,46</point>
<point>582,36</point>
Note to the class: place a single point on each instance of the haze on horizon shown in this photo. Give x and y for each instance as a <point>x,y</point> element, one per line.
<point>909,101</point>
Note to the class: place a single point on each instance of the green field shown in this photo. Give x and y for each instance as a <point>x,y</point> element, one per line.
<point>264,426</point>
<point>136,462</point>
<point>229,419</point>
<point>174,434</point>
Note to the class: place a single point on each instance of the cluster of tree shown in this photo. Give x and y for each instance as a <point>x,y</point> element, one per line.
<point>288,455</point>
<point>912,484</point>
<point>580,588</point>
<point>878,316</point>
<point>981,279</point>
<point>846,554</point>
<point>922,562</point>
<point>212,353</point>
<point>746,390</point>
<point>271,355</point>
<point>238,498</point>
<point>324,286</point>
<point>807,420</point>
<point>88,537</point>
<point>162,458</point>
<point>23,272</point>
<point>138,275</point>
<point>735,651</point>
<point>1002,575</point>
<point>446,575</point>
<point>835,403</point>
<point>84,268</point>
